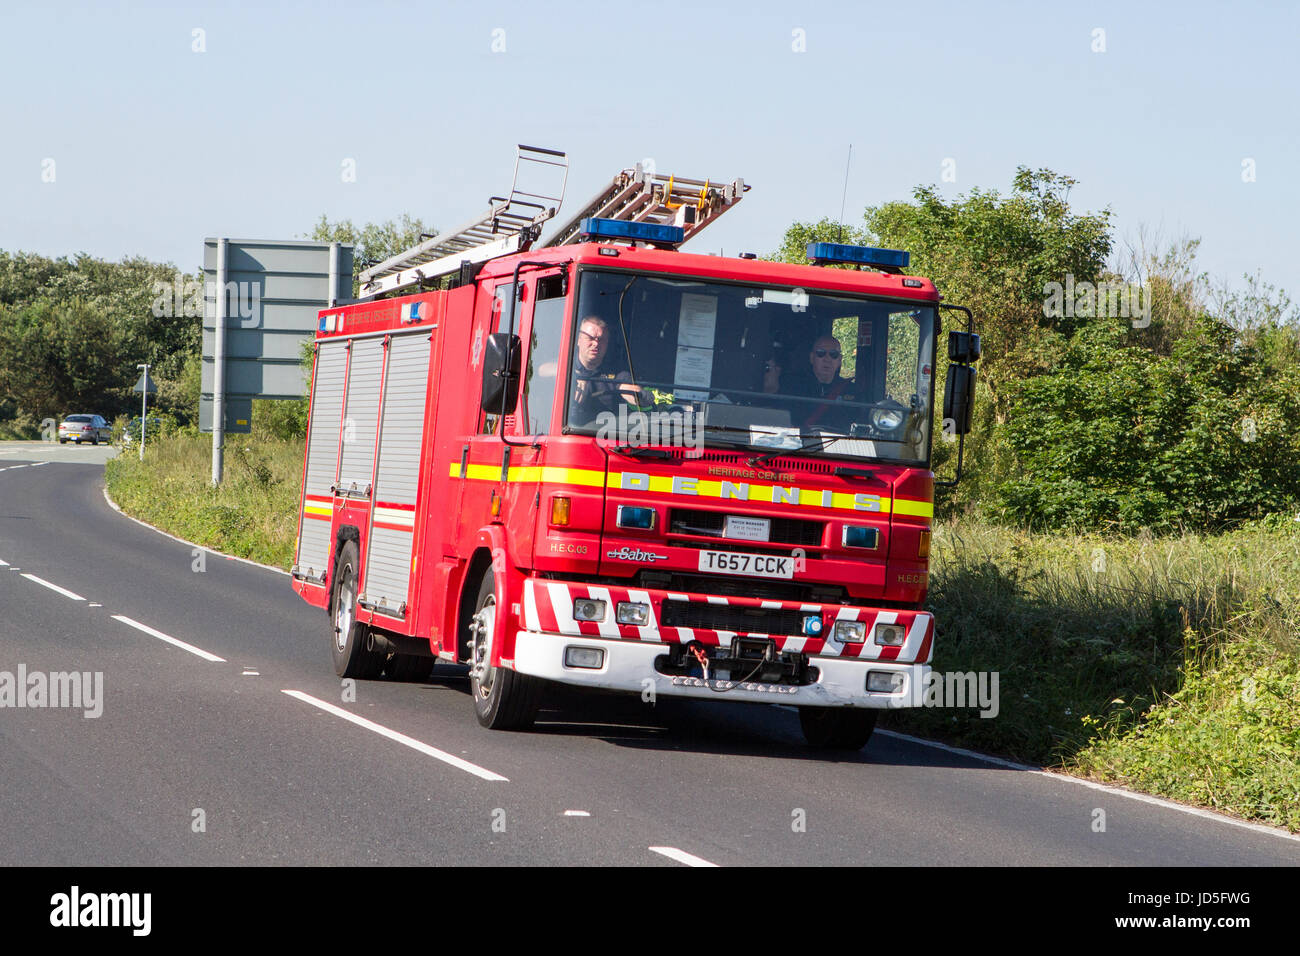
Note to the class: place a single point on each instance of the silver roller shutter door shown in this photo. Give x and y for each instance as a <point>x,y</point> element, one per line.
<point>361,416</point>
<point>388,559</point>
<point>313,555</point>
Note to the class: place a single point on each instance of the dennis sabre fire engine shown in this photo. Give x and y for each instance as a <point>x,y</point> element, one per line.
<point>602,462</point>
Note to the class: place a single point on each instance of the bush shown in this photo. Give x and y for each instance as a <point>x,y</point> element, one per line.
<point>1204,438</point>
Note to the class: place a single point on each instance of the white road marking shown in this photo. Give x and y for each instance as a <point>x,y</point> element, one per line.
<point>14,467</point>
<point>1093,785</point>
<point>250,674</point>
<point>230,557</point>
<point>400,738</point>
<point>681,856</point>
<point>4,564</point>
<point>38,464</point>
<point>198,651</point>
<point>53,587</point>
<point>576,813</point>
<point>92,604</point>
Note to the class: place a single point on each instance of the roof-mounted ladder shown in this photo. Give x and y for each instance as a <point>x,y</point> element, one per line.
<point>639,195</point>
<point>511,224</point>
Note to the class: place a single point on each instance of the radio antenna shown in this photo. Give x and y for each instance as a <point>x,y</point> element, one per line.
<point>845,197</point>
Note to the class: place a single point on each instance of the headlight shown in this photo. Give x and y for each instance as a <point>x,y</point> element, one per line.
<point>887,419</point>
<point>632,612</point>
<point>850,632</point>
<point>586,609</point>
<point>890,635</point>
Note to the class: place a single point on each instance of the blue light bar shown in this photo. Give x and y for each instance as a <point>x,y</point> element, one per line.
<point>636,231</point>
<point>887,259</point>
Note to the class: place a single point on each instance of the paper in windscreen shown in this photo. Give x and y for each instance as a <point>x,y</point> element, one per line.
<point>697,324</point>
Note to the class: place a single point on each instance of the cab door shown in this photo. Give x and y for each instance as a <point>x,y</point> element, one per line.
<point>544,310</point>
<point>482,470</point>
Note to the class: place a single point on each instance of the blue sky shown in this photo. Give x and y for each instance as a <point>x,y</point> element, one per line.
<point>156,146</point>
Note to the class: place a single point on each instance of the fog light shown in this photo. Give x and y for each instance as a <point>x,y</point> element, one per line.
<point>850,632</point>
<point>631,612</point>
<point>857,536</point>
<point>643,519</point>
<point>590,657</point>
<point>586,609</point>
<point>890,635</point>
<point>885,682</point>
<point>812,625</point>
<point>560,510</point>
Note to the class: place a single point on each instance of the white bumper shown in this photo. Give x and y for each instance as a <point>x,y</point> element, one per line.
<point>629,666</point>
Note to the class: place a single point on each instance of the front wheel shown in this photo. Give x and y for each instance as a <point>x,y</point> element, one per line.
<point>350,637</point>
<point>837,728</point>
<point>503,699</point>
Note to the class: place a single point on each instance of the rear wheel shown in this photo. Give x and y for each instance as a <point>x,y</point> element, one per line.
<point>350,637</point>
<point>837,728</point>
<point>503,699</point>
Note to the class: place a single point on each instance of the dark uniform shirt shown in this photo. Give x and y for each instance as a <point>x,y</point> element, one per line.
<point>602,393</point>
<point>829,414</point>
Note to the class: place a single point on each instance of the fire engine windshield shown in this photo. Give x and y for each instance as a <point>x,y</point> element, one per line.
<point>671,361</point>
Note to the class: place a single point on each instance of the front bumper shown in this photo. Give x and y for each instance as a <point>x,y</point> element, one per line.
<point>630,666</point>
<point>631,653</point>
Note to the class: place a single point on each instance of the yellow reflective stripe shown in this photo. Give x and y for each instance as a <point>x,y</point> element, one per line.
<point>917,509</point>
<point>533,473</point>
<point>704,488</point>
<point>317,509</point>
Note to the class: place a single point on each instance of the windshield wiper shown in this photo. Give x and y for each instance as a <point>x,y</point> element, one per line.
<point>816,442</point>
<point>642,451</point>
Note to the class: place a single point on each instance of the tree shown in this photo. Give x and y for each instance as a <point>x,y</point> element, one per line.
<point>374,242</point>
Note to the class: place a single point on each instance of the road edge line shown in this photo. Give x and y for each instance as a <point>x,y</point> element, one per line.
<point>233,557</point>
<point>1110,788</point>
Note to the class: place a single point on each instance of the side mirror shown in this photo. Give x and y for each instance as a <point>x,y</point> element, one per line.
<point>963,347</point>
<point>959,396</point>
<point>501,365</point>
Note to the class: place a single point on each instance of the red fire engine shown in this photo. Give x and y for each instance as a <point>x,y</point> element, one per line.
<point>603,462</point>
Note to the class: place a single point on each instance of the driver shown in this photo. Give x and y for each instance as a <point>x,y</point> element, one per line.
<point>595,388</point>
<point>819,379</point>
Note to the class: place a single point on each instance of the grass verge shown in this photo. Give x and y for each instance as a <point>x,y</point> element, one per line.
<point>253,514</point>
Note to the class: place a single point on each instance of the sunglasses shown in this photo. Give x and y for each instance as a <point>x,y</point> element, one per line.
<point>822,353</point>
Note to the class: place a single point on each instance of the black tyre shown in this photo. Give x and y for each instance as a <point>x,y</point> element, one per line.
<point>837,728</point>
<point>349,637</point>
<point>409,667</point>
<point>503,700</point>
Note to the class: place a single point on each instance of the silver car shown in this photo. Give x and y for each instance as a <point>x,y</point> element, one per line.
<point>79,428</point>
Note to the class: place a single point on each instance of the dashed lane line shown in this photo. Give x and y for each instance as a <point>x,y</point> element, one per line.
<point>681,856</point>
<point>400,738</point>
<point>197,651</point>
<point>54,587</point>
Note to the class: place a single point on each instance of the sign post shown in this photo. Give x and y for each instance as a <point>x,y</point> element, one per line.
<point>144,387</point>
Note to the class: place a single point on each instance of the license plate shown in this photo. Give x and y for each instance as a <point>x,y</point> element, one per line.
<point>748,529</point>
<point>753,565</point>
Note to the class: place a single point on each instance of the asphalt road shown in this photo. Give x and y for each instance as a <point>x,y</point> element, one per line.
<point>236,748</point>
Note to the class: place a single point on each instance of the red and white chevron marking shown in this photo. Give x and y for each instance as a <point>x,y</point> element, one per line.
<point>548,609</point>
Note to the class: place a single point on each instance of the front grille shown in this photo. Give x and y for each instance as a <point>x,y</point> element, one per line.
<point>766,589</point>
<point>792,531</point>
<point>730,617</point>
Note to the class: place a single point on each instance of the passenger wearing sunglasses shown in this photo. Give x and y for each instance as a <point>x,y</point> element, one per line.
<point>821,379</point>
